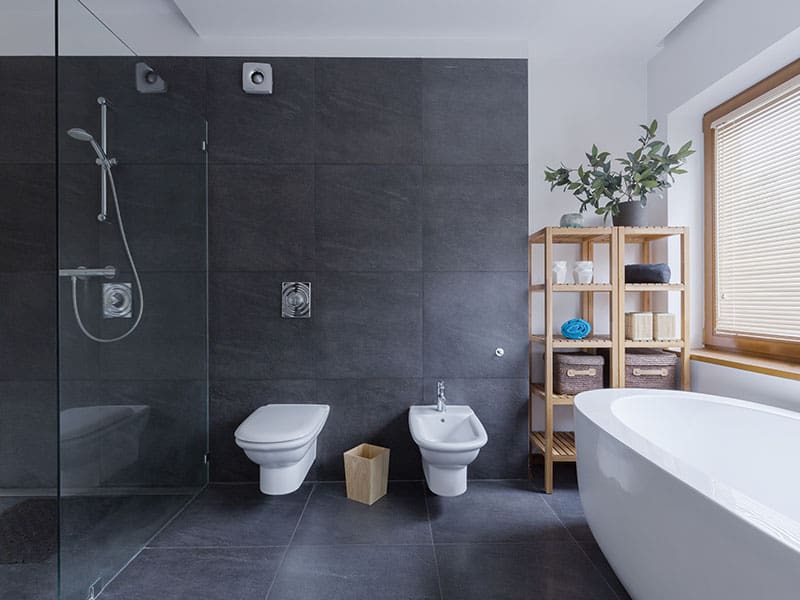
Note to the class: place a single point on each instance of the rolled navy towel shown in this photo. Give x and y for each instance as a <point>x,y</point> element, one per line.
<point>576,329</point>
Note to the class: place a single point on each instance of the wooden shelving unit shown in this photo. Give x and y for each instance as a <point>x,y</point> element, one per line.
<point>559,446</point>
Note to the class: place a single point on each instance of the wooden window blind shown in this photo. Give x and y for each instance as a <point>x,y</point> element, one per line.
<point>753,172</point>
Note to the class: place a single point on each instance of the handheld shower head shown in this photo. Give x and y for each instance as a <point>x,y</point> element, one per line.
<point>84,136</point>
<point>80,134</point>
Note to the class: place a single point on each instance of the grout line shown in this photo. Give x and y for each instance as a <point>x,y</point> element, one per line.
<point>158,548</point>
<point>433,542</point>
<point>575,541</point>
<point>291,539</point>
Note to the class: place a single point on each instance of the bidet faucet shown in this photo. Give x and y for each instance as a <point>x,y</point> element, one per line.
<point>441,401</point>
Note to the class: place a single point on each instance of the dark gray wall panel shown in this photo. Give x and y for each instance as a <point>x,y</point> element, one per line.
<point>231,403</point>
<point>28,434</point>
<point>368,325</point>
<point>468,316</point>
<point>374,411</point>
<point>368,110</point>
<point>251,340</point>
<point>475,218</point>
<point>27,326</point>
<point>27,218</point>
<point>475,111</point>
<point>248,128</point>
<point>368,218</point>
<point>27,111</point>
<point>261,217</point>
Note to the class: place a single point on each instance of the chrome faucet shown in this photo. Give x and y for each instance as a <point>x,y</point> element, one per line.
<point>441,401</point>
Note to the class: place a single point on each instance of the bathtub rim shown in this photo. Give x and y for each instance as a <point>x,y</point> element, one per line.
<point>595,406</point>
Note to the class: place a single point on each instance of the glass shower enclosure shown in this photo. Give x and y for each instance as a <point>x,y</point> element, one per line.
<point>104,293</point>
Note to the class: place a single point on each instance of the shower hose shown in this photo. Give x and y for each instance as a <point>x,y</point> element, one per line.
<point>107,171</point>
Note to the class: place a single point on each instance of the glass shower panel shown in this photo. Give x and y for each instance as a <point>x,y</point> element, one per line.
<point>28,372</point>
<point>133,366</point>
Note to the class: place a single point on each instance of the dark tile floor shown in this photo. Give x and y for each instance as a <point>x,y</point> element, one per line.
<point>502,539</point>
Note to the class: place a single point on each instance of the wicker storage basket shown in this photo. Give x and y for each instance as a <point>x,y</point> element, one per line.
<point>577,372</point>
<point>656,369</point>
<point>664,327</point>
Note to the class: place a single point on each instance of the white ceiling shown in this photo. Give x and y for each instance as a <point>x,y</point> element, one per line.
<point>548,30</point>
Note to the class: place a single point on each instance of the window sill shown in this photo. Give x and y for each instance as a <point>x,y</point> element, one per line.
<point>746,362</point>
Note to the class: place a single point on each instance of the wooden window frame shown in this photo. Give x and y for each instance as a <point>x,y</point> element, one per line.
<point>777,348</point>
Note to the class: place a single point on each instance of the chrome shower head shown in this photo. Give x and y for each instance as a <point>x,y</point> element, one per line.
<point>84,136</point>
<point>80,134</point>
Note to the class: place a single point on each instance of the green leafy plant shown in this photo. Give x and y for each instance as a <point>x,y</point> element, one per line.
<point>648,170</point>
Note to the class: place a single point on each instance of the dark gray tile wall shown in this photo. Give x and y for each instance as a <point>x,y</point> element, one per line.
<point>398,188</point>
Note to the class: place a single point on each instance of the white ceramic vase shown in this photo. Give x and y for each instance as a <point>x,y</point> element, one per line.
<point>559,271</point>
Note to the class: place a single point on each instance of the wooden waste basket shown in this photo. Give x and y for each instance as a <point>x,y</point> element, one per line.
<point>366,471</point>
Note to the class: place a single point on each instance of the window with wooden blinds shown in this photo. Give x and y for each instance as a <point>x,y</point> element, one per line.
<point>752,145</point>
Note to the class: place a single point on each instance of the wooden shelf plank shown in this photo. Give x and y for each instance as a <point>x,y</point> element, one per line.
<point>559,341</point>
<point>574,287</point>
<point>637,235</point>
<point>573,235</point>
<point>537,389</point>
<point>654,287</point>
<point>654,344</point>
<point>563,444</point>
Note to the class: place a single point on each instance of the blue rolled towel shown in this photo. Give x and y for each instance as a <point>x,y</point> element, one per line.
<point>576,329</point>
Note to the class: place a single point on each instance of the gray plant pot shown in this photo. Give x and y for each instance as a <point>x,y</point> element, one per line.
<point>631,214</point>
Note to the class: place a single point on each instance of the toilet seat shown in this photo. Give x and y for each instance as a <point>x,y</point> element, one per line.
<point>279,423</point>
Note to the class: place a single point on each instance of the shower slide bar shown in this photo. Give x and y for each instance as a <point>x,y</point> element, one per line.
<point>81,272</point>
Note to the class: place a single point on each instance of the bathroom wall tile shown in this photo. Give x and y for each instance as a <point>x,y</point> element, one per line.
<point>27,109</point>
<point>236,515</point>
<point>28,434</point>
<point>251,128</point>
<point>261,218</point>
<point>475,111</point>
<point>374,411</point>
<point>27,218</point>
<point>183,574</point>
<point>150,128</point>
<point>357,573</point>
<point>79,230</point>
<point>164,213</point>
<point>368,325</point>
<point>400,517</point>
<point>170,342</point>
<point>232,401</point>
<point>78,356</point>
<point>368,218</point>
<point>494,511</point>
<point>172,442</point>
<point>249,338</point>
<point>368,111</point>
<point>475,218</point>
<point>468,316</point>
<point>28,326</point>
<point>518,572</point>
<point>502,407</point>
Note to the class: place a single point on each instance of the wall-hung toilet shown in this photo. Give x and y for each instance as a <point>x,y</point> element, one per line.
<point>282,440</point>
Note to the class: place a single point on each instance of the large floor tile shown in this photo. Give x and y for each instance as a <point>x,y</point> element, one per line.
<point>357,573</point>
<point>237,515</point>
<point>187,574</point>
<point>494,511</point>
<point>400,517</point>
<point>594,553</point>
<point>552,571</point>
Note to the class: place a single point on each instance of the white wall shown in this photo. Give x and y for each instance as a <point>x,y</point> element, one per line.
<point>724,47</point>
<point>572,106</point>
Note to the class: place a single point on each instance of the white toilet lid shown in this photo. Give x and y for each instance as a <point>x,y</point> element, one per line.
<point>282,422</point>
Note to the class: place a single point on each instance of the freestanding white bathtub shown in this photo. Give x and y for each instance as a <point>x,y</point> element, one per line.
<point>692,496</point>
